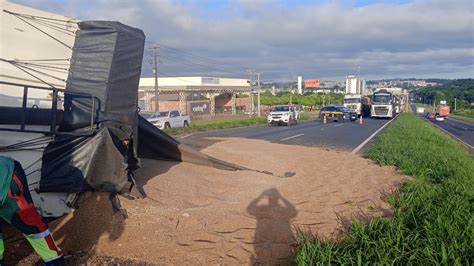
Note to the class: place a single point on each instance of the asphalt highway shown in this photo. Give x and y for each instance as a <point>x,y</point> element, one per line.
<point>460,130</point>
<point>334,135</point>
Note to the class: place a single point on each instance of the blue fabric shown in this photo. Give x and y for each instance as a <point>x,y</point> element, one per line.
<point>7,165</point>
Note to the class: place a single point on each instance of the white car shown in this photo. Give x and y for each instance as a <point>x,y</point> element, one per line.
<point>282,115</point>
<point>169,119</point>
<point>439,118</point>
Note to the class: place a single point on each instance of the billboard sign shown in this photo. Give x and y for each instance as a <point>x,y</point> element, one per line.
<point>312,83</point>
<point>199,108</point>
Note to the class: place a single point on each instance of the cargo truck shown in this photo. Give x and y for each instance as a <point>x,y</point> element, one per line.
<point>357,103</point>
<point>383,104</point>
<point>443,109</point>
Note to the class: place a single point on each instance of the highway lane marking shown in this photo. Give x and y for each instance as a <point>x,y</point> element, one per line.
<point>292,137</point>
<point>338,125</point>
<point>459,121</point>
<point>357,149</point>
<point>452,135</point>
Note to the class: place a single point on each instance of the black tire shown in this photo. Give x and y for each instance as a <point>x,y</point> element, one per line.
<point>167,125</point>
<point>185,123</point>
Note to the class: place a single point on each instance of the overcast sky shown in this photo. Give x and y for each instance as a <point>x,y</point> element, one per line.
<point>283,39</point>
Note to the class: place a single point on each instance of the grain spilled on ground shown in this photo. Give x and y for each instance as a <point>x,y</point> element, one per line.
<point>200,215</point>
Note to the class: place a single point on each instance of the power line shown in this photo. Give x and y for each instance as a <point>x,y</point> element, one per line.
<point>187,54</point>
<point>179,78</point>
<point>198,60</point>
<point>199,64</point>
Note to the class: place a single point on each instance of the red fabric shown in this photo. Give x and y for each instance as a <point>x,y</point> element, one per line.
<point>27,211</point>
<point>52,245</point>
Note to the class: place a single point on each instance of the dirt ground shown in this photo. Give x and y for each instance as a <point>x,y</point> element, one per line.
<point>200,215</point>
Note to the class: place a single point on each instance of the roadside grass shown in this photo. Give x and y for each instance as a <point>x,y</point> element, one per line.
<point>433,221</point>
<point>223,123</point>
<point>464,115</point>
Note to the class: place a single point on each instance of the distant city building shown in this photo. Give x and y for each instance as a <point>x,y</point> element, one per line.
<point>355,85</point>
<point>332,83</point>
<point>404,83</point>
<point>300,85</point>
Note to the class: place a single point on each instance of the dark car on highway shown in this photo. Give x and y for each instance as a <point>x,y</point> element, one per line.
<point>431,116</point>
<point>337,113</point>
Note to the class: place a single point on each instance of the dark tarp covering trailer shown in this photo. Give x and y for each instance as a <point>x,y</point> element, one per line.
<point>101,137</point>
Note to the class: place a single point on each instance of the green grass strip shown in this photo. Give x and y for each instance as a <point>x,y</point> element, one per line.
<point>433,220</point>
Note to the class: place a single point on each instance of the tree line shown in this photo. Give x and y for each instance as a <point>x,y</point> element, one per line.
<point>309,100</point>
<point>462,90</point>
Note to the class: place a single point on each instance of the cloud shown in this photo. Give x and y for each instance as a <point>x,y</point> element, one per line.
<point>328,39</point>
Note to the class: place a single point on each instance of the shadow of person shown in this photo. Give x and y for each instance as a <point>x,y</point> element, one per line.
<point>273,234</point>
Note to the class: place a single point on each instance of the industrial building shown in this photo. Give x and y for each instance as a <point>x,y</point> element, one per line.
<point>196,95</point>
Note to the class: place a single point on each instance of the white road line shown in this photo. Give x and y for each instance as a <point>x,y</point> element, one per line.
<point>338,125</point>
<point>292,137</point>
<point>357,149</point>
<point>452,135</point>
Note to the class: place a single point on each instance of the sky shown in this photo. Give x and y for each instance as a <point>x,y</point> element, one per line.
<point>284,39</point>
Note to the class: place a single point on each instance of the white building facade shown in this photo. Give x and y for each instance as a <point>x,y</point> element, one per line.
<point>355,85</point>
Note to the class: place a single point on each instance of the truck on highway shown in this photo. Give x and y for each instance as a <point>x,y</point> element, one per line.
<point>357,103</point>
<point>169,119</point>
<point>282,115</point>
<point>397,104</point>
<point>383,104</point>
<point>443,109</point>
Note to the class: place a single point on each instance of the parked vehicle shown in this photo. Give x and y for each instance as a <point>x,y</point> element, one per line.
<point>357,103</point>
<point>337,113</point>
<point>169,119</point>
<point>283,115</point>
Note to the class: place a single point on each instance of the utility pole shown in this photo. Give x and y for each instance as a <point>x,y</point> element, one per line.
<point>291,90</point>
<point>155,73</point>
<point>258,91</point>
<point>455,109</point>
<point>251,92</point>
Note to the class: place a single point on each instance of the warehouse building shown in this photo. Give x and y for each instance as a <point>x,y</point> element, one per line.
<point>196,95</point>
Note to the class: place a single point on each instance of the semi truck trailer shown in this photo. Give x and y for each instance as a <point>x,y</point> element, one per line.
<point>383,104</point>
<point>357,103</point>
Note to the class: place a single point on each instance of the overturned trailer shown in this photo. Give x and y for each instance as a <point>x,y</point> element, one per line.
<point>90,137</point>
